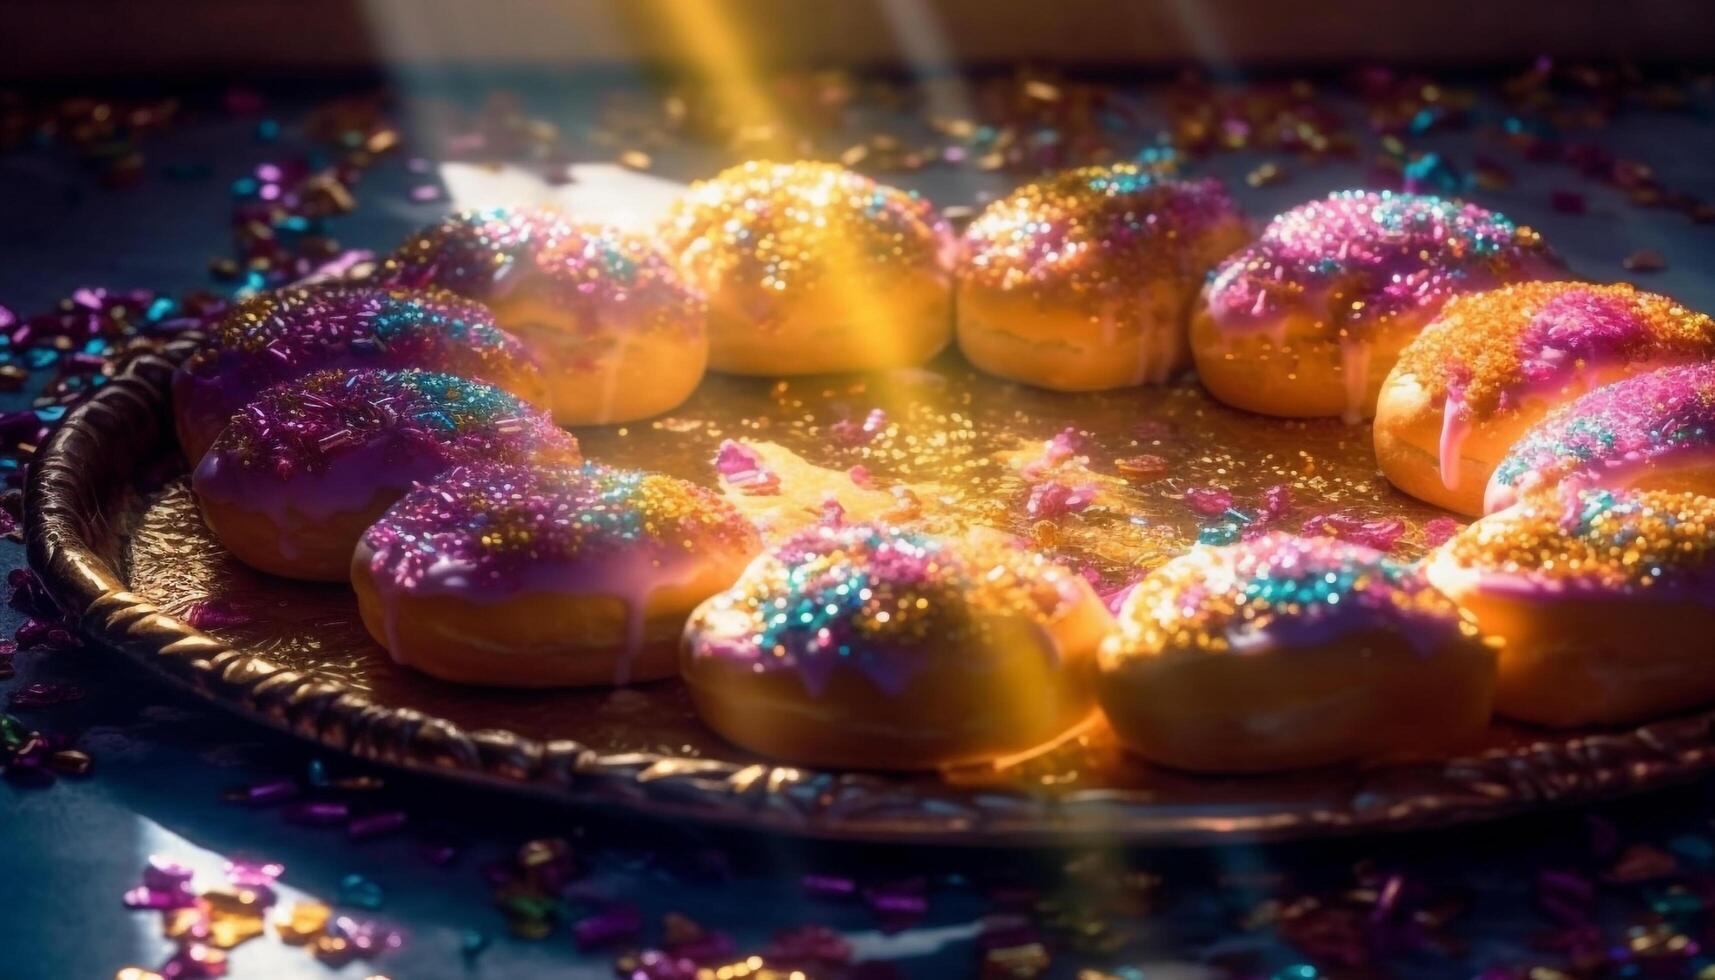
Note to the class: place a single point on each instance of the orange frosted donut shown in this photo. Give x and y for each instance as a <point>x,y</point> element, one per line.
<point>1282,652</point>
<point>869,646</point>
<point>1655,431</point>
<point>287,333</point>
<point>298,474</point>
<point>1604,601</point>
<point>810,268</point>
<point>1494,363</point>
<point>543,576</point>
<point>618,334</point>
<point>1084,281</point>
<point>1307,320</point>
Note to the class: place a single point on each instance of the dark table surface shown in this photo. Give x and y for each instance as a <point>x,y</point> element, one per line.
<point>1623,883</point>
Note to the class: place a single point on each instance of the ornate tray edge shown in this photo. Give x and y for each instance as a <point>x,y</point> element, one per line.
<point>89,463</point>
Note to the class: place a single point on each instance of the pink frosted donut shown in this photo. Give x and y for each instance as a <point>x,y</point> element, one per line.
<point>618,332</point>
<point>1307,320</point>
<point>871,646</point>
<point>1655,431</point>
<point>287,333</point>
<point>298,474</point>
<point>540,576</point>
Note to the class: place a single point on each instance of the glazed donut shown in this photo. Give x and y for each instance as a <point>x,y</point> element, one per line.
<point>868,646</point>
<point>1494,363</point>
<point>1306,321</point>
<point>479,254</point>
<point>1283,652</point>
<point>288,333</point>
<point>522,576</point>
<point>298,474</point>
<point>618,334</point>
<point>1084,281</point>
<point>810,268</point>
<point>1604,601</point>
<point>1655,431</point>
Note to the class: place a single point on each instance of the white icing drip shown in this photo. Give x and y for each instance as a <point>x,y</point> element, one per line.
<point>1455,427</point>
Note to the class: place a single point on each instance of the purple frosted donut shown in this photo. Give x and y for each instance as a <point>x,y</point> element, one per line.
<point>287,333</point>
<point>298,474</point>
<point>1654,431</point>
<point>872,646</point>
<point>479,254</point>
<point>539,576</point>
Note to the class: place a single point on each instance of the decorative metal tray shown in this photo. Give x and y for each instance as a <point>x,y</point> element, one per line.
<point>114,533</point>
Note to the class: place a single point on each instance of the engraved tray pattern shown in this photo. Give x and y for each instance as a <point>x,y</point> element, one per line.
<point>134,563</point>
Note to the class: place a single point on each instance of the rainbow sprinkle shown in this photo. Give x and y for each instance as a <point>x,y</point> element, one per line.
<point>1611,434</point>
<point>491,525</point>
<point>1599,541</point>
<point>1361,257</point>
<point>1490,350</point>
<point>1101,233</point>
<point>874,597</point>
<point>778,227</point>
<point>303,424</point>
<point>1277,589</point>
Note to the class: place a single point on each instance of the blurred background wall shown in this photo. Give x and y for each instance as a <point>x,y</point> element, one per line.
<point>74,40</point>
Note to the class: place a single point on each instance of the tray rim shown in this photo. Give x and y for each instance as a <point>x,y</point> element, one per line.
<point>90,463</point>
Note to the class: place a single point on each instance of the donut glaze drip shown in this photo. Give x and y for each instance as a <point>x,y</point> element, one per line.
<point>1278,590</point>
<point>782,227</point>
<point>488,531</point>
<point>473,253</point>
<point>1594,541</point>
<point>1095,233</point>
<point>280,335</point>
<point>1361,257</point>
<point>1607,436</point>
<point>1489,351</point>
<point>873,597</point>
<point>308,424</point>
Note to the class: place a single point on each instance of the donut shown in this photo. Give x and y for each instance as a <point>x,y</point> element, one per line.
<point>1084,281</point>
<point>810,268</point>
<point>1494,363</point>
<point>871,646</point>
<point>1283,652</point>
<point>618,333</point>
<point>1654,431</point>
<point>1306,321</point>
<point>287,333</point>
<point>480,254</point>
<point>295,477</point>
<point>1604,602</point>
<point>532,576</point>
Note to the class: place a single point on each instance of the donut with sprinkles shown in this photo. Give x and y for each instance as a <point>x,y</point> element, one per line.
<point>293,480</point>
<point>1307,320</point>
<point>1282,652</point>
<point>286,333</point>
<point>537,576</point>
<point>873,646</point>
